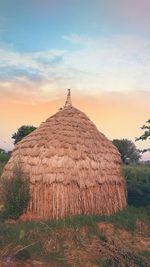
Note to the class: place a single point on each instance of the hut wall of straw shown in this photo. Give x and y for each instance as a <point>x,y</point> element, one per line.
<point>72,167</point>
<point>58,200</point>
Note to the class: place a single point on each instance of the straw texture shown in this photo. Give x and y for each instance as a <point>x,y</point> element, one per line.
<point>73,168</point>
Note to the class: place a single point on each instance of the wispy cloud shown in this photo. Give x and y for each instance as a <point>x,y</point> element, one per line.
<point>36,61</point>
<point>121,63</point>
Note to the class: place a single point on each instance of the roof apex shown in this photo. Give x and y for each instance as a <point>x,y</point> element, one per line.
<point>68,100</point>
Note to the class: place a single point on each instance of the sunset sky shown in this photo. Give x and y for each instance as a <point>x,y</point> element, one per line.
<point>99,49</point>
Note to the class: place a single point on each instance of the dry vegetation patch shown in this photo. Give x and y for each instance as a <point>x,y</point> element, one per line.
<point>80,241</point>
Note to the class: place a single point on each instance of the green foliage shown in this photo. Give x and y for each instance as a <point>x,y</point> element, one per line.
<point>128,151</point>
<point>4,157</point>
<point>145,253</point>
<point>22,132</point>
<point>138,185</point>
<point>55,256</point>
<point>23,255</point>
<point>145,135</point>
<point>101,262</point>
<point>126,219</point>
<point>15,193</point>
<point>1,167</point>
<point>102,237</point>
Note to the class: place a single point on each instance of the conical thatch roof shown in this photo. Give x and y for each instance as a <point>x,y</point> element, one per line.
<point>73,168</point>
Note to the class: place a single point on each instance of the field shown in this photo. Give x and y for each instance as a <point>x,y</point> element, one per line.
<point>120,240</point>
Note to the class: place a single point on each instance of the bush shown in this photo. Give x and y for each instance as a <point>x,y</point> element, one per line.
<point>1,167</point>
<point>4,157</point>
<point>15,193</point>
<point>138,185</point>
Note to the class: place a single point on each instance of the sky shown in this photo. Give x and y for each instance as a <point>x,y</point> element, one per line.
<point>99,49</point>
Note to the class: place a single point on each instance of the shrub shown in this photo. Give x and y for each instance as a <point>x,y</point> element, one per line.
<point>138,185</point>
<point>15,193</point>
<point>4,157</point>
<point>1,167</point>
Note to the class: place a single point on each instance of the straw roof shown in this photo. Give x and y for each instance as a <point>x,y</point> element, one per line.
<point>68,149</point>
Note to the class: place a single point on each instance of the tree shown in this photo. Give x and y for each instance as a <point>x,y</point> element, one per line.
<point>145,135</point>
<point>129,152</point>
<point>23,131</point>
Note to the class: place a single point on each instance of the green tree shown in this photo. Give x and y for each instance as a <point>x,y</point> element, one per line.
<point>128,151</point>
<point>23,131</point>
<point>145,135</point>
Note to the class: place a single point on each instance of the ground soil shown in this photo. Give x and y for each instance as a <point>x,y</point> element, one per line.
<point>104,246</point>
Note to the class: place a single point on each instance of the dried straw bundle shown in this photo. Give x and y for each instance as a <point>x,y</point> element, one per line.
<point>73,168</point>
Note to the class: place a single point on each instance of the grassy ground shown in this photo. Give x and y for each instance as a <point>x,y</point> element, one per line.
<point>55,241</point>
<point>119,240</point>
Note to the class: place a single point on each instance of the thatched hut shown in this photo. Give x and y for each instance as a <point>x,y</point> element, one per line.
<point>73,168</point>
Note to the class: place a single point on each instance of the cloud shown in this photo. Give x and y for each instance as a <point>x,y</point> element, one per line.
<point>119,63</point>
<point>25,91</point>
<point>36,61</point>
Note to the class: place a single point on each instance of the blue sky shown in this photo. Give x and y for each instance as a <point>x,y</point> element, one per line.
<point>92,46</point>
<point>112,37</point>
<point>40,25</point>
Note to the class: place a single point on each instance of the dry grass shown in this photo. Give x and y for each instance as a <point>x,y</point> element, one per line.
<point>81,241</point>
